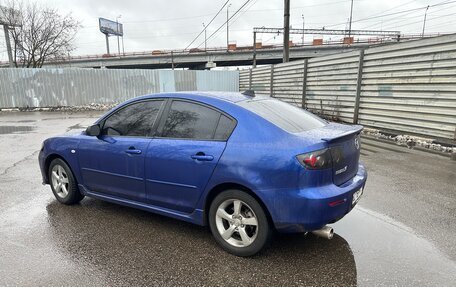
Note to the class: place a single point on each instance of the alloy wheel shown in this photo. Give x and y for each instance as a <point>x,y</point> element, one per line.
<point>60,181</point>
<point>236,223</point>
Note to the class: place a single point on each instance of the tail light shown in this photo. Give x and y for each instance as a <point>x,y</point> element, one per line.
<point>320,159</point>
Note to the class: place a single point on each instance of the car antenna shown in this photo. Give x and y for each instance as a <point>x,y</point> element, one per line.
<point>249,93</point>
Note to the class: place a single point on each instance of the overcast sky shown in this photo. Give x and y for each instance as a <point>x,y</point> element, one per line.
<point>172,24</point>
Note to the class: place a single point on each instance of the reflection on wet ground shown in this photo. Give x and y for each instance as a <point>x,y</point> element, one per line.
<point>390,253</point>
<point>15,129</point>
<point>138,247</point>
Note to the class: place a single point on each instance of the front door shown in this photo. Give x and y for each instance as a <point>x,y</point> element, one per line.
<point>113,163</point>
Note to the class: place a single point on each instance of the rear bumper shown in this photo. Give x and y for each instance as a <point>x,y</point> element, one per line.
<point>312,208</point>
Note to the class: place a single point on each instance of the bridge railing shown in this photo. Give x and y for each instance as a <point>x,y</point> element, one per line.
<point>180,52</point>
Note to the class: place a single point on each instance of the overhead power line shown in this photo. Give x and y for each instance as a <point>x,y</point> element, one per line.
<point>326,31</point>
<point>395,13</point>
<point>381,23</point>
<point>392,8</point>
<point>221,26</point>
<point>241,13</point>
<point>300,7</point>
<point>430,19</point>
<point>238,16</point>
<point>394,23</point>
<point>168,19</point>
<point>205,27</point>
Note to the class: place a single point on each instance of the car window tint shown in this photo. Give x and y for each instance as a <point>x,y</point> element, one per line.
<point>190,121</point>
<point>224,128</point>
<point>133,120</point>
<point>290,118</point>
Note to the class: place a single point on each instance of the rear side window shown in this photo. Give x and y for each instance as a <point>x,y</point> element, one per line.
<point>224,128</point>
<point>134,120</point>
<point>187,120</point>
<point>290,118</point>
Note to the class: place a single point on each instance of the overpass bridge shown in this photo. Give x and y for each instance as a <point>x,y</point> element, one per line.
<point>202,59</point>
<point>199,59</point>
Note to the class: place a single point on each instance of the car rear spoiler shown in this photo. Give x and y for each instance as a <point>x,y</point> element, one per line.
<point>346,131</point>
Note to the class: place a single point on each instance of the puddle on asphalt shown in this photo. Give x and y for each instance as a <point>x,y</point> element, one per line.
<point>15,129</point>
<point>389,253</point>
<point>22,121</point>
<point>76,127</point>
<point>88,116</point>
<point>57,118</point>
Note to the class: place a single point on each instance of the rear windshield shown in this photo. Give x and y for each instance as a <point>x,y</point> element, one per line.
<point>290,118</point>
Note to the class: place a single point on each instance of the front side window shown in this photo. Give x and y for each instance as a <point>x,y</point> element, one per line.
<point>134,120</point>
<point>193,121</point>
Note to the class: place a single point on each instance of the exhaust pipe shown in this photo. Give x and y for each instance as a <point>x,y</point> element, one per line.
<point>325,232</point>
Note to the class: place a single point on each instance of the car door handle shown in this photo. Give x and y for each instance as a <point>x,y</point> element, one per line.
<point>132,150</point>
<point>202,157</point>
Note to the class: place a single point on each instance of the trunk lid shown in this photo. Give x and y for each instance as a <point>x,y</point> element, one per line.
<point>344,144</point>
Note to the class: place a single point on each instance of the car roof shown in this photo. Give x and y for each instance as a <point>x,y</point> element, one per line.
<point>222,100</point>
<point>232,97</point>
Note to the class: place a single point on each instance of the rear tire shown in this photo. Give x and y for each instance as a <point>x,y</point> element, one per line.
<point>238,223</point>
<point>63,183</point>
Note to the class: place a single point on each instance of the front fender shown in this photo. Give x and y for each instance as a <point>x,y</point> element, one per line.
<point>65,148</point>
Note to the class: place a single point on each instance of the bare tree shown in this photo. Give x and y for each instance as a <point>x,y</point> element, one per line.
<point>43,33</point>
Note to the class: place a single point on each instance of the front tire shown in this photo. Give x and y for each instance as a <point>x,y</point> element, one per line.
<point>238,223</point>
<point>63,183</point>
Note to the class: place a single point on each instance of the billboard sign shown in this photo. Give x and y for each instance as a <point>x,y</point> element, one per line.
<point>9,16</point>
<point>109,27</point>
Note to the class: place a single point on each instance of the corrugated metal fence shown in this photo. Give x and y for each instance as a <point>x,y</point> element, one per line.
<point>407,88</point>
<point>76,87</point>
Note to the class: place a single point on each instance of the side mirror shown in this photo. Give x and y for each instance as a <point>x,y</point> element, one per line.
<point>93,130</point>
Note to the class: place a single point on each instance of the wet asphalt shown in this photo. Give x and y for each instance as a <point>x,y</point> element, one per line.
<point>403,231</point>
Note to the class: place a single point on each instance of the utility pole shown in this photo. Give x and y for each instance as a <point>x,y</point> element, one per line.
<point>350,24</point>
<point>286,31</point>
<point>303,29</point>
<point>227,27</point>
<point>8,45</point>
<point>254,50</point>
<point>424,22</point>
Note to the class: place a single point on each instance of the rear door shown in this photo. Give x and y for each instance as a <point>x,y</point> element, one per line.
<point>181,158</point>
<point>113,163</point>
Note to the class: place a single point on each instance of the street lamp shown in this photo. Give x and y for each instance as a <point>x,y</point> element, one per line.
<point>227,27</point>
<point>424,22</point>
<point>205,45</point>
<point>118,43</point>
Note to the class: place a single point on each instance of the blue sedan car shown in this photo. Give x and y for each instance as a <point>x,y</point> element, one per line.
<point>243,164</point>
